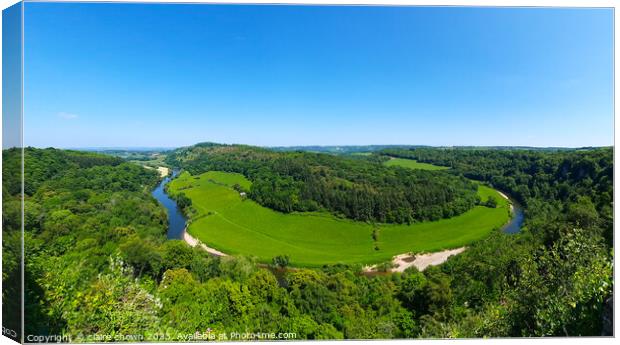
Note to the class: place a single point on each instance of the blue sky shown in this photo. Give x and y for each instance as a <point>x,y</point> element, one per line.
<point>119,75</point>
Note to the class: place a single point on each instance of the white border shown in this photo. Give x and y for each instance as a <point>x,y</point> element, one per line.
<point>487,3</point>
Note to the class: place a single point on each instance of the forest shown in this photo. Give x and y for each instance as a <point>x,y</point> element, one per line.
<point>98,262</point>
<point>355,188</point>
<point>570,181</point>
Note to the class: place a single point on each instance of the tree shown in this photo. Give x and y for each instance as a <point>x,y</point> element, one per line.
<point>176,254</point>
<point>189,306</point>
<point>183,201</point>
<point>553,278</point>
<point>113,304</point>
<point>143,256</point>
<point>238,268</point>
<point>491,202</point>
<point>280,261</point>
<point>360,189</point>
<point>583,212</point>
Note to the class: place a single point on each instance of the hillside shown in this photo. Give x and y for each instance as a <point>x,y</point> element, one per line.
<point>98,261</point>
<point>357,187</point>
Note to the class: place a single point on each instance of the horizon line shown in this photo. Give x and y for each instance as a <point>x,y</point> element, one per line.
<point>145,148</point>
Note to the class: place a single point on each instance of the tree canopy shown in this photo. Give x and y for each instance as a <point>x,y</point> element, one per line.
<point>98,262</point>
<point>356,188</point>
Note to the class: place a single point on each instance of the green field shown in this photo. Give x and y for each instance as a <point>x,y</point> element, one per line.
<point>413,164</point>
<point>235,225</point>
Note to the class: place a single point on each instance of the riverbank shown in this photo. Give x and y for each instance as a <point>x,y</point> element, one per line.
<point>401,262</point>
<point>163,171</point>
<point>420,261</point>
<point>390,233</point>
<point>225,220</point>
<point>189,239</point>
<point>176,220</point>
<point>509,201</point>
<point>516,212</point>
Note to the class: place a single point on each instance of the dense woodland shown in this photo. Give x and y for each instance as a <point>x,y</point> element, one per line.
<point>98,261</point>
<point>359,188</point>
<point>569,181</point>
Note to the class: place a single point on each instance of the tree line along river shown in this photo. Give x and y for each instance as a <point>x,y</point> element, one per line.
<point>177,221</point>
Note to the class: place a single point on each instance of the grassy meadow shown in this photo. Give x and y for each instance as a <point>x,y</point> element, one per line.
<point>413,164</point>
<point>230,223</point>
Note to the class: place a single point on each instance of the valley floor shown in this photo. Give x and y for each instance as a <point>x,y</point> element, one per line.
<point>229,223</point>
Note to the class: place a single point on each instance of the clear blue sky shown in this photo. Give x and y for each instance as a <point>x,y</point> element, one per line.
<point>119,75</point>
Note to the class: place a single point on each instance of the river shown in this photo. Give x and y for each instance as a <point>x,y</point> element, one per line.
<point>176,220</point>
<point>516,221</point>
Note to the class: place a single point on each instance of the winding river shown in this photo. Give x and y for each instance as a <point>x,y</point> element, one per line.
<point>516,221</point>
<point>176,220</point>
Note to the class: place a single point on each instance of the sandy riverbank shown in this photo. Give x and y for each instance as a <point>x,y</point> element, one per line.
<point>507,198</point>
<point>163,171</point>
<point>420,261</point>
<point>503,195</point>
<point>195,242</point>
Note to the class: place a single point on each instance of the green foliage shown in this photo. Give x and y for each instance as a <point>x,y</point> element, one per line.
<point>280,261</point>
<point>225,222</point>
<point>582,212</point>
<point>188,305</point>
<point>491,202</point>
<point>113,304</point>
<point>561,289</point>
<point>183,201</point>
<point>97,261</point>
<point>142,255</point>
<point>359,189</point>
<point>78,208</point>
<point>237,268</point>
<point>551,279</point>
<point>176,254</point>
<point>529,174</point>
